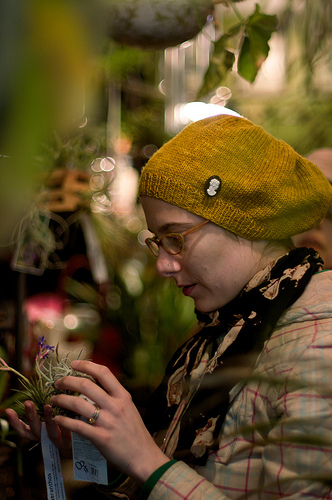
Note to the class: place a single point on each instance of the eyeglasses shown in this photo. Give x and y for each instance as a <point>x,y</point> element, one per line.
<point>172,243</point>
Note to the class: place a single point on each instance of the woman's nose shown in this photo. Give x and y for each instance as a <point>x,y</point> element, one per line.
<point>167,264</point>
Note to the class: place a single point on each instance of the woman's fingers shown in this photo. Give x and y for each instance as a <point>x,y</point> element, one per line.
<point>30,431</point>
<point>99,394</point>
<point>78,405</point>
<point>32,418</point>
<point>101,374</point>
<point>60,438</point>
<point>69,425</point>
<point>20,427</point>
<point>84,406</point>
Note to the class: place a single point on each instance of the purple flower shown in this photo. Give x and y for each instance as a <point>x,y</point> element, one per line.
<point>41,341</point>
<point>44,349</point>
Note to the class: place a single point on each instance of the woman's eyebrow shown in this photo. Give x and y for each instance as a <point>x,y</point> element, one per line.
<point>174,225</point>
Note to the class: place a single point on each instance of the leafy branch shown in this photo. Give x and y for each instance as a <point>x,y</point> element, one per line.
<point>254,33</point>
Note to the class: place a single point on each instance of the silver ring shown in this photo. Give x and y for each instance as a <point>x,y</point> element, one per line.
<point>95,415</point>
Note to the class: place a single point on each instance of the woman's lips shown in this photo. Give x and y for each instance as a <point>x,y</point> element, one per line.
<point>186,290</point>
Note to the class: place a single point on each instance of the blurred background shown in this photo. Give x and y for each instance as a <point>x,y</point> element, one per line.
<point>88,92</point>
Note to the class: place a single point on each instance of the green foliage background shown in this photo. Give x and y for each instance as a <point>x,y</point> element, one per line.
<point>39,85</point>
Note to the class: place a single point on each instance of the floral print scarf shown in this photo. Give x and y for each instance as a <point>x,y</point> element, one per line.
<point>229,341</point>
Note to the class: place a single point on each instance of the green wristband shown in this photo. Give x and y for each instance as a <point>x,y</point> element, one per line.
<point>153,479</point>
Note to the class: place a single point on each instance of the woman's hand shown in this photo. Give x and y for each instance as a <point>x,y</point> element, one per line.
<point>118,432</point>
<point>32,430</point>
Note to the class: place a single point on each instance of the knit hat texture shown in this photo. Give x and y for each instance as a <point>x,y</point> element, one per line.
<point>233,173</point>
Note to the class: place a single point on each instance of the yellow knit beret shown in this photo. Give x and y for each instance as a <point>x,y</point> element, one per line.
<point>233,173</point>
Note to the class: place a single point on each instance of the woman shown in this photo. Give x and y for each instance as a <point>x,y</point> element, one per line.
<point>239,400</point>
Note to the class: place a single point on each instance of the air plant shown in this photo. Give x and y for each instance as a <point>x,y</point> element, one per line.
<point>47,371</point>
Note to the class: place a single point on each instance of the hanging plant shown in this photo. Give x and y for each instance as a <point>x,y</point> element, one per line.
<point>156,24</point>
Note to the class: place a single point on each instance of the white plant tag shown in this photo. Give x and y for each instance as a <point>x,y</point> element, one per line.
<point>52,467</point>
<point>89,463</point>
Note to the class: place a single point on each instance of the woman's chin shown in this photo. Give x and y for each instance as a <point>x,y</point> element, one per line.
<point>203,308</point>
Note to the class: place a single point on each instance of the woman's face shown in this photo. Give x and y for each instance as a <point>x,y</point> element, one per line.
<point>214,266</point>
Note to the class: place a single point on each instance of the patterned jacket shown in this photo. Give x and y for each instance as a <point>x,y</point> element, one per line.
<point>276,440</point>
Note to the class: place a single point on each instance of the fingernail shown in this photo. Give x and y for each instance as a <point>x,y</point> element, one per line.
<point>27,408</point>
